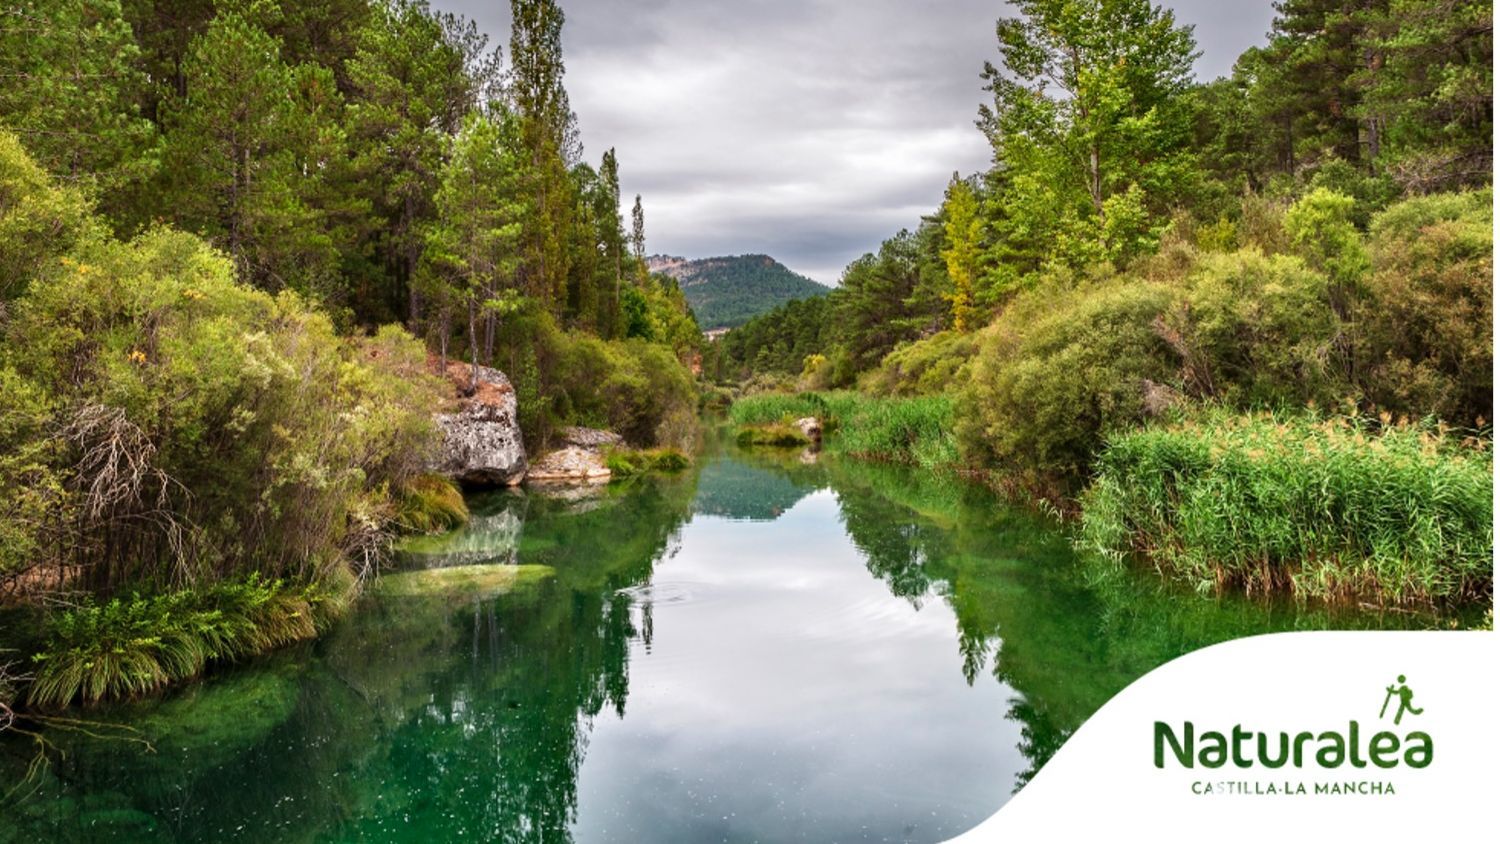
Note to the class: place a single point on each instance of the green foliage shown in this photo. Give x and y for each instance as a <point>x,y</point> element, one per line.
<point>932,365</point>
<point>638,389</point>
<point>1252,330</point>
<point>200,427</point>
<point>1425,334</point>
<point>1321,227</point>
<point>776,434</point>
<point>71,85</point>
<point>1321,508</point>
<point>624,463</point>
<point>1059,371</point>
<point>131,646</point>
<point>1090,130</point>
<point>39,221</point>
<point>430,503</point>
<point>917,430</point>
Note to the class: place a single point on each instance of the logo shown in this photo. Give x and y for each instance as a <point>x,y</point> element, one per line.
<point>1327,748</point>
<point>1404,693</point>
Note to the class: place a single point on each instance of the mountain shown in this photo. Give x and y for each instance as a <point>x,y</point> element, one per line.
<point>727,292</point>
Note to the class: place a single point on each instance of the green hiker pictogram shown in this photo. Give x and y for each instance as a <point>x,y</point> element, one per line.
<point>1404,693</point>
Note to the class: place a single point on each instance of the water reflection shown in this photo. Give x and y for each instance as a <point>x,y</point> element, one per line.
<point>761,648</point>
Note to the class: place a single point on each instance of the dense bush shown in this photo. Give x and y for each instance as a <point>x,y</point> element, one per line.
<point>171,427</point>
<point>1058,371</point>
<point>1251,329</point>
<point>430,504</point>
<point>1321,508</point>
<point>1425,328</point>
<point>924,367</point>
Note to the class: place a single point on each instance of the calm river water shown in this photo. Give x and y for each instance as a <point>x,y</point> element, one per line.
<point>763,648</point>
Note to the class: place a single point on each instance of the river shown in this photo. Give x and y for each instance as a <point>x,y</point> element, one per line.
<point>766,647</point>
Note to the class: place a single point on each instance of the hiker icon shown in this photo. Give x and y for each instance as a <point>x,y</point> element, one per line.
<point>1404,693</point>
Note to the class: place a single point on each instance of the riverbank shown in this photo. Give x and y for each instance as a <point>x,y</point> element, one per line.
<point>1314,507</point>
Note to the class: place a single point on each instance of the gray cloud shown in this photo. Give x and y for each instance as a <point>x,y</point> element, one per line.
<point>806,129</point>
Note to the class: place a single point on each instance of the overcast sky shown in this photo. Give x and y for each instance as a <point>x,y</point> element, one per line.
<point>809,130</point>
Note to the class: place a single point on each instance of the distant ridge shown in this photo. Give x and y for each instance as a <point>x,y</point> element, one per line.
<point>729,291</point>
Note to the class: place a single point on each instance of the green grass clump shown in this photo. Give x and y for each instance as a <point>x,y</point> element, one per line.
<point>623,463</point>
<point>773,434</point>
<point>1319,508</point>
<point>777,408</point>
<point>128,647</point>
<point>917,431</point>
<point>431,504</point>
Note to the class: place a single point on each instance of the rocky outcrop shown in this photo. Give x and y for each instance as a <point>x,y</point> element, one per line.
<point>592,439</point>
<point>579,460</point>
<point>481,435</point>
<point>570,464</point>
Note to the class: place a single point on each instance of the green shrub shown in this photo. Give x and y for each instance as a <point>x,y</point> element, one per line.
<point>211,429</point>
<point>1253,330</point>
<point>430,504</point>
<point>637,389</point>
<point>131,646</point>
<point>1057,372</point>
<point>1425,336</point>
<point>936,364</point>
<point>1319,508</point>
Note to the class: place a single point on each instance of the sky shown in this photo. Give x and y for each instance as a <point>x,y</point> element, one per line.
<point>808,130</point>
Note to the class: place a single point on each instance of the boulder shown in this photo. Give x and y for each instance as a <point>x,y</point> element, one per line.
<point>482,436</point>
<point>571,464</point>
<point>591,439</point>
<point>811,428</point>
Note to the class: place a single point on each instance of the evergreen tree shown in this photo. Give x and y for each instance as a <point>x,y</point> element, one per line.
<point>247,145</point>
<point>71,89</point>
<point>471,245</point>
<point>410,90</point>
<point>548,135</point>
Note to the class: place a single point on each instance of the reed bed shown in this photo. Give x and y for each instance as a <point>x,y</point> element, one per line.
<point>1321,508</point>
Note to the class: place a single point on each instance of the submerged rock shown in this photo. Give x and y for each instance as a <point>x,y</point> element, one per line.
<point>482,437</point>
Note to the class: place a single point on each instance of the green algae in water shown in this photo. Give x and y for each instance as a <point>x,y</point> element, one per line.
<point>460,582</point>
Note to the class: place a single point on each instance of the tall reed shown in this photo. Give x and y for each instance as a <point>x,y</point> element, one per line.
<point>1324,508</point>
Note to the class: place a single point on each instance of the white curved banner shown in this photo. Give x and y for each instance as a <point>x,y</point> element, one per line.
<point>1372,736</point>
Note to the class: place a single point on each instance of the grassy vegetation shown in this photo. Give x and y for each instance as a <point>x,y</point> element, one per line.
<point>1320,508</point>
<point>917,430</point>
<point>130,646</point>
<point>624,463</point>
<point>431,504</point>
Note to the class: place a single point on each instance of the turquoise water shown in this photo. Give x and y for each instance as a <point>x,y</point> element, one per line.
<point>767,647</point>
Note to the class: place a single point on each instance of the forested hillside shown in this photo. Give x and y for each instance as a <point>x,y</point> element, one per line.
<point>730,291</point>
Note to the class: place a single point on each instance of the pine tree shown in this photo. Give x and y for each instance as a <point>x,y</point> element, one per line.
<point>71,90</point>
<point>548,135</point>
<point>246,145</point>
<point>471,245</point>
